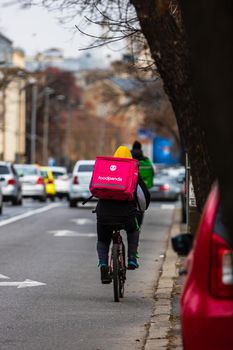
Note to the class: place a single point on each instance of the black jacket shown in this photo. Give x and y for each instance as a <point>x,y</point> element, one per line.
<point>112,208</point>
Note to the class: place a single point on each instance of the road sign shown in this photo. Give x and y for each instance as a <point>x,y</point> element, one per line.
<point>51,161</point>
<point>144,133</point>
<point>192,198</point>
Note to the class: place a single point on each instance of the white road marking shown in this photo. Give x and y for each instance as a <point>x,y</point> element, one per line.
<point>29,213</point>
<point>69,233</point>
<point>167,206</point>
<point>83,221</point>
<point>22,284</point>
<point>4,277</point>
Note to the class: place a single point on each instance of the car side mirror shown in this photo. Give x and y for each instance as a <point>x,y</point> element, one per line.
<point>182,243</point>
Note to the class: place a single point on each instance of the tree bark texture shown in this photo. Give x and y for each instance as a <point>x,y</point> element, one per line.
<point>209,25</point>
<point>169,49</point>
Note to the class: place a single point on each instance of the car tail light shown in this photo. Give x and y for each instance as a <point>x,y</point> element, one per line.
<point>221,266</point>
<point>164,188</point>
<point>75,180</point>
<point>11,182</point>
<point>40,181</point>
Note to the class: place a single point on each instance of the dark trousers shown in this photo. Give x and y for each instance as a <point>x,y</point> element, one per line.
<point>104,234</point>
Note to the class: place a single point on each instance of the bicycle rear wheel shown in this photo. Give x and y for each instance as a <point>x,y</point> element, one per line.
<point>115,272</point>
<point>122,271</point>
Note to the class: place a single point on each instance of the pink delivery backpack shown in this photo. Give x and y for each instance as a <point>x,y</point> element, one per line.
<point>114,178</point>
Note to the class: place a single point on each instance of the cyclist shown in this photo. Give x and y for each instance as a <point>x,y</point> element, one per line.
<point>126,212</point>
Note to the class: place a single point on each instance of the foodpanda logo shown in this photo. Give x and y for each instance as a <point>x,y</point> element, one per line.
<point>113,167</point>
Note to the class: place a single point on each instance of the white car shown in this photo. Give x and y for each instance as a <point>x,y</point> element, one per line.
<point>62,181</point>
<point>177,172</point>
<point>165,188</point>
<point>1,200</point>
<point>10,183</point>
<point>32,181</point>
<point>79,185</point>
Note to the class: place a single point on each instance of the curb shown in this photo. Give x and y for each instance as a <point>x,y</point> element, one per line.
<point>162,320</point>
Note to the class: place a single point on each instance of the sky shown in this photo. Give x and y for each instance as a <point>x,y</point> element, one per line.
<point>36,29</point>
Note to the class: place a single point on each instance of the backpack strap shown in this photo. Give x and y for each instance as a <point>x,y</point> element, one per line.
<point>87,200</point>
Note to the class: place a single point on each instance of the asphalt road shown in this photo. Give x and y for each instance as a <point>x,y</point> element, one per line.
<point>71,310</point>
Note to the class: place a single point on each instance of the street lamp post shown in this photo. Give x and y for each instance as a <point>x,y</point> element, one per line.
<point>2,110</point>
<point>60,99</point>
<point>47,91</point>
<point>33,119</point>
<point>71,105</point>
<point>18,132</point>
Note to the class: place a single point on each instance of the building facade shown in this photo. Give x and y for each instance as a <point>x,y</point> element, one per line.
<point>12,102</point>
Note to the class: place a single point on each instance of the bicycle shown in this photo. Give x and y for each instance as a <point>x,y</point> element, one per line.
<point>117,265</point>
<point>117,262</point>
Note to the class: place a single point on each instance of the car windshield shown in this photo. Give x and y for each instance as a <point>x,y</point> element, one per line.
<point>57,174</point>
<point>4,170</point>
<point>44,173</point>
<point>165,179</point>
<point>85,167</point>
<point>26,171</point>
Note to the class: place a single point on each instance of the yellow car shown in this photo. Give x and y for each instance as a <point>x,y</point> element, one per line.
<point>49,182</point>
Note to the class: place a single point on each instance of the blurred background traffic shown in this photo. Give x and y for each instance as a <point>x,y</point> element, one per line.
<point>58,111</point>
<point>52,183</point>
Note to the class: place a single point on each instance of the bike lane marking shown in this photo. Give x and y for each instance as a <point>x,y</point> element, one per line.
<point>19,284</point>
<point>69,233</point>
<point>29,213</point>
<point>22,284</point>
<point>167,206</point>
<point>83,221</point>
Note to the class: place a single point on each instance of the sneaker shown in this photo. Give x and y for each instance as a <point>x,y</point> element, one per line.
<point>104,274</point>
<point>132,263</point>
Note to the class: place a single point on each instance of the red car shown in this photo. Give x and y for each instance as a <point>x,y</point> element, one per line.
<point>207,296</point>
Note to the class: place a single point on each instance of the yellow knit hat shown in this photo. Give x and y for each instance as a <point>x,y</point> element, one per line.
<point>123,152</point>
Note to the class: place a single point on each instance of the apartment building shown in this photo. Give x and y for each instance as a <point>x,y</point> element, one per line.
<point>12,101</point>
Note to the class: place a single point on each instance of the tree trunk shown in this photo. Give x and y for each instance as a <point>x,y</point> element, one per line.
<point>210,29</point>
<point>169,49</point>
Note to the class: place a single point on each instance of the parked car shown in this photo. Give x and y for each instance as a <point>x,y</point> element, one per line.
<point>10,183</point>
<point>165,188</point>
<point>176,171</point>
<point>81,177</point>
<point>207,297</point>
<point>62,181</point>
<point>49,182</point>
<point>1,199</point>
<point>32,181</point>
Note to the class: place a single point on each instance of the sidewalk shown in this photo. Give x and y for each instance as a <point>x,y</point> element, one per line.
<point>164,331</point>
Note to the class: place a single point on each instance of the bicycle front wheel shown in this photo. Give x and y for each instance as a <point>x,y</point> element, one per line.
<point>115,272</point>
